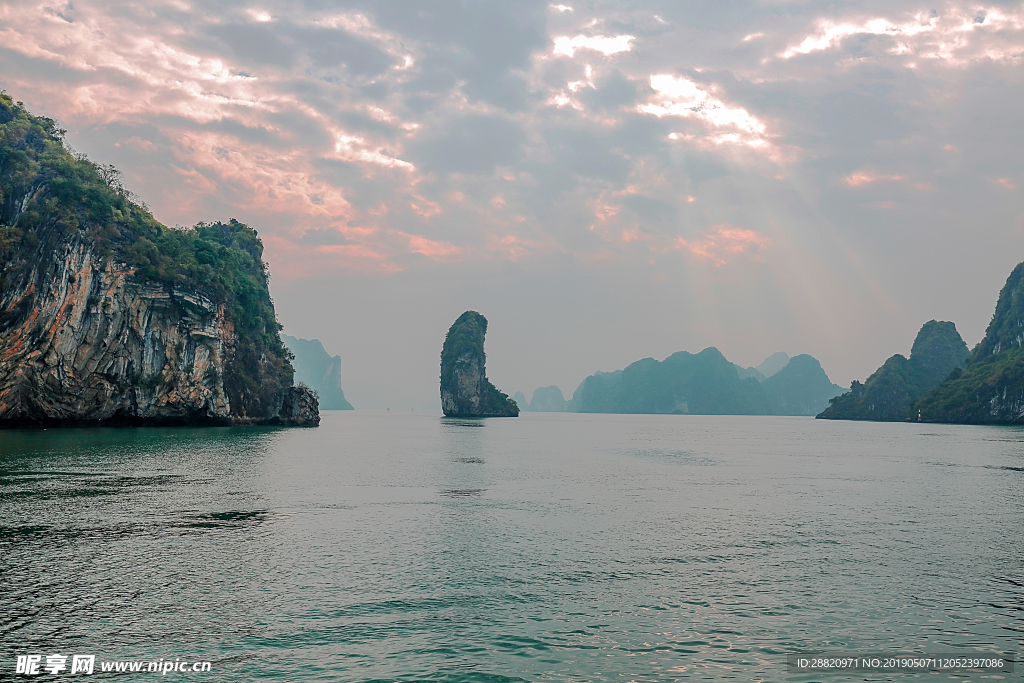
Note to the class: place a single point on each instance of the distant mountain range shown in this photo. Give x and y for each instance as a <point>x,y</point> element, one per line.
<point>318,370</point>
<point>704,383</point>
<point>941,381</point>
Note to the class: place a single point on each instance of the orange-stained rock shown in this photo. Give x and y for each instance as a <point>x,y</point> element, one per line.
<point>92,345</point>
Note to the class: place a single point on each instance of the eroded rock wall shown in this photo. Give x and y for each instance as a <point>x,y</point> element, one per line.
<point>81,342</point>
<point>464,394</point>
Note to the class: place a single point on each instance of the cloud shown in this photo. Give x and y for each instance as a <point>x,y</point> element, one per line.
<point>861,178</point>
<point>582,151</point>
<point>475,143</point>
<point>320,237</point>
<point>959,35</point>
<point>650,209</point>
<point>831,34</point>
<point>411,124</point>
<point>723,244</point>
<point>606,45</point>
<point>677,96</point>
<point>682,97</point>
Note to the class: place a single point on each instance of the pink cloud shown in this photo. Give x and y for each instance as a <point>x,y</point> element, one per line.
<point>723,244</point>
<point>861,178</point>
<point>436,250</point>
<point>305,149</point>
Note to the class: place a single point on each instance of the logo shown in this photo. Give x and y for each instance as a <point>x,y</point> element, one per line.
<point>35,665</point>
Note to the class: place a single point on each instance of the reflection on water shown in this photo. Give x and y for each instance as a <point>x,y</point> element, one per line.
<point>553,547</point>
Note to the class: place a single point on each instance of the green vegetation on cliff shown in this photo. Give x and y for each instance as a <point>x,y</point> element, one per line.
<point>42,183</point>
<point>49,196</point>
<point>1006,329</point>
<point>990,389</point>
<point>889,393</point>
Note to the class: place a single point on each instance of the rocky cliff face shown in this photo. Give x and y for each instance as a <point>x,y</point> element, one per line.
<point>92,346</point>
<point>938,350</point>
<point>990,389</point>
<point>88,337</point>
<point>889,393</point>
<point>465,389</point>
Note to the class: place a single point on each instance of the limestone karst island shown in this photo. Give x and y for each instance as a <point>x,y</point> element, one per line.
<point>888,394</point>
<point>989,387</point>
<point>109,317</point>
<point>465,389</point>
<point>944,382</point>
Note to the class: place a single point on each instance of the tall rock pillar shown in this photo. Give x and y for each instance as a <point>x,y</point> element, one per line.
<point>465,390</point>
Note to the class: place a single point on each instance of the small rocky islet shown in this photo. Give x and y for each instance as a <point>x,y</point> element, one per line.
<point>465,389</point>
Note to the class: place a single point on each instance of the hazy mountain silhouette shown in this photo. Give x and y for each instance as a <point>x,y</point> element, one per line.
<point>318,370</point>
<point>708,384</point>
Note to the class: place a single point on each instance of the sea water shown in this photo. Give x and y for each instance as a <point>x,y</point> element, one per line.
<point>552,547</point>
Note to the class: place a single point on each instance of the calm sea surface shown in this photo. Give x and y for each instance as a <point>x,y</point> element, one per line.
<point>553,547</point>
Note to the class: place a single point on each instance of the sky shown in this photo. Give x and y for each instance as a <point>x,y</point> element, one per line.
<point>604,181</point>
